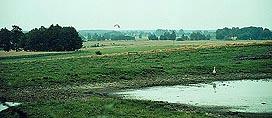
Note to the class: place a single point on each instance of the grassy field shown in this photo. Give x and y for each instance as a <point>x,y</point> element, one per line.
<point>76,84</point>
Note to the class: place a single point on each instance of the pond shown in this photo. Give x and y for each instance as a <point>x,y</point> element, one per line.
<point>254,96</point>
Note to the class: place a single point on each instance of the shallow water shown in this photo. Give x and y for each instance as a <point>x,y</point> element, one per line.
<point>253,96</point>
<point>3,107</point>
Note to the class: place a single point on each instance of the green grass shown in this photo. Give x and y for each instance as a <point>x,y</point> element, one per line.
<point>123,67</point>
<point>47,78</point>
<point>103,107</point>
<point>109,48</point>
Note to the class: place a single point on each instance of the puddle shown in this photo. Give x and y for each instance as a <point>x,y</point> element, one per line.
<point>254,96</point>
<point>3,107</point>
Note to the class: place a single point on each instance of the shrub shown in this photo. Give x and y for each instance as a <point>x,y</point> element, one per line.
<point>98,52</point>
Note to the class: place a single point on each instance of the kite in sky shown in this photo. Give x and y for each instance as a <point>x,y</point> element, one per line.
<point>116,25</point>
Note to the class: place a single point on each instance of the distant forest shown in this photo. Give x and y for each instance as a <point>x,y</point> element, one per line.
<point>246,33</point>
<point>54,38</point>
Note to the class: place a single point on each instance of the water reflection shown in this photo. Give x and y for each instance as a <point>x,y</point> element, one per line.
<point>214,87</point>
<point>6,105</point>
<point>243,96</point>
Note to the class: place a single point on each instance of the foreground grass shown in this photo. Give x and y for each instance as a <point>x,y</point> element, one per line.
<point>55,85</point>
<point>102,107</point>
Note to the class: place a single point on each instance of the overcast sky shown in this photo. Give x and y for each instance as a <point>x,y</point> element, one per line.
<point>136,14</point>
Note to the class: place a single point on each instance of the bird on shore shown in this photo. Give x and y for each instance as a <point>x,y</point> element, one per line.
<point>214,71</point>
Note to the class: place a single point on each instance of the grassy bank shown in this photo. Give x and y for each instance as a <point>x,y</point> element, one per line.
<point>59,83</point>
<point>103,107</point>
<point>238,61</point>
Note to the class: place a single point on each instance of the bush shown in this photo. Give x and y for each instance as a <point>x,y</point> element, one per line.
<point>98,52</point>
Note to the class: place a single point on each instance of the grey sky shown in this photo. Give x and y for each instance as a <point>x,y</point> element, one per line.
<point>136,14</point>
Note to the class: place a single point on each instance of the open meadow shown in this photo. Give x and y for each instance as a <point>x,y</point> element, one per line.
<point>80,83</point>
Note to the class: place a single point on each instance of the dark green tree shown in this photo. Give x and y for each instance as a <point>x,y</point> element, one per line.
<point>180,32</point>
<point>152,37</point>
<point>33,41</point>
<point>173,35</point>
<point>246,33</point>
<point>266,34</point>
<point>165,36</point>
<point>54,38</point>
<point>141,35</point>
<point>5,39</point>
<point>160,32</point>
<point>17,36</point>
<point>224,33</point>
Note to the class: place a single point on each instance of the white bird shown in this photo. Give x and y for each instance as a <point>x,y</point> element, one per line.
<point>214,71</point>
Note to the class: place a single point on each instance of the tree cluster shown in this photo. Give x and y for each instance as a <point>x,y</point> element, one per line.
<point>160,32</point>
<point>11,39</point>
<point>178,33</point>
<point>168,36</point>
<point>199,36</point>
<point>152,37</point>
<point>246,33</point>
<point>54,38</point>
<point>113,35</point>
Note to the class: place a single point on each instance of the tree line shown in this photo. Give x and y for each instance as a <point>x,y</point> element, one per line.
<point>246,33</point>
<point>172,36</point>
<point>112,35</point>
<point>54,38</point>
<point>163,35</point>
